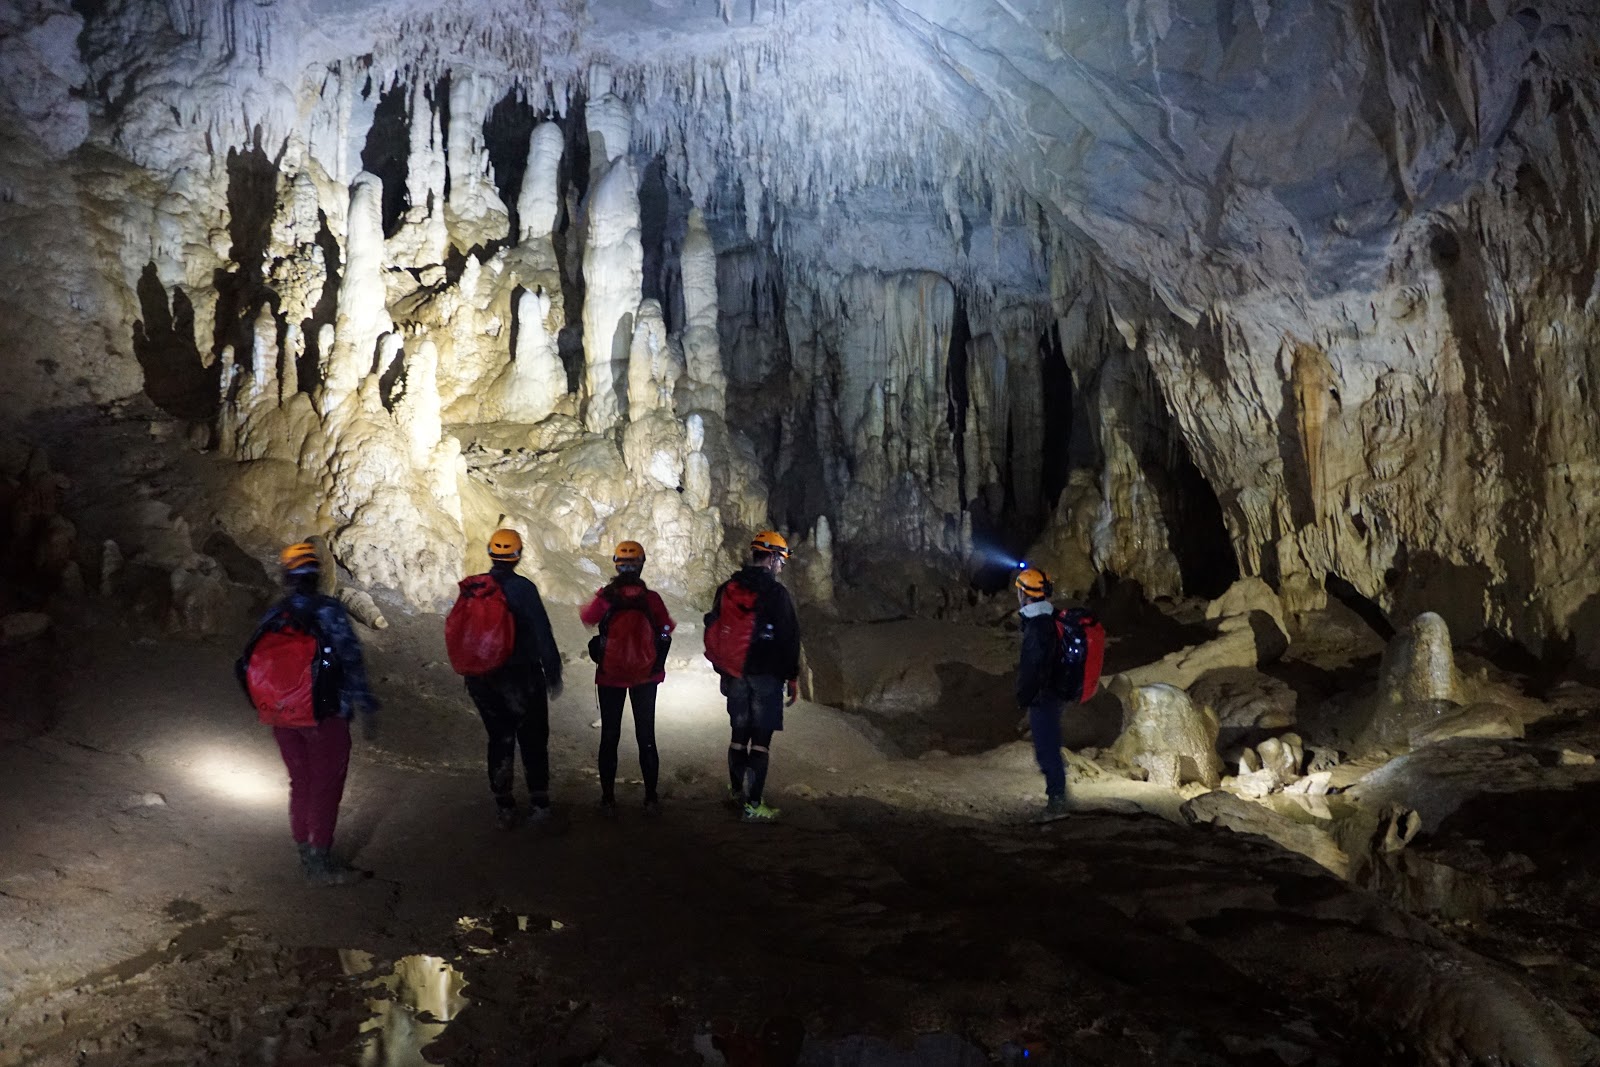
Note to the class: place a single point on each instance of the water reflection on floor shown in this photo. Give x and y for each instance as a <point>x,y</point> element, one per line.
<point>414,1002</point>
<point>412,1006</point>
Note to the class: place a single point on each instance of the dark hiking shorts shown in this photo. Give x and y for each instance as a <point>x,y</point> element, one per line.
<point>755,702</point>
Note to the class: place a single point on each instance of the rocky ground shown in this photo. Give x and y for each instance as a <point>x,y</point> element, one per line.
<point>155,915</point>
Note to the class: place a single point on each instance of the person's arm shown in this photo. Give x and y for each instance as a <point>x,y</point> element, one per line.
<point>354,692</point>
<point>660,618</point>
<point>787,634</point>
<point>716,606</point>
<point>1033,667</point>
<point>592,612</point>
<point>241,666</point>
<point>545,640</point>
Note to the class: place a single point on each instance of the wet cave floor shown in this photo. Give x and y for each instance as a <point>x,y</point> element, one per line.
<point>904,911</point>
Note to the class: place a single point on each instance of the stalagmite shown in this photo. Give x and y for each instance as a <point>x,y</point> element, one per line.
<point>477,214</point>
<point>363,314</point>
<point>705,386</point>
<point>535,381</point>
<point>418,410</point>
<point>696,465</point>
<point>264,387</point>
<point>613,266</point>
<point>539,200</point>
<point>654,364</point>
<point>610,127</point>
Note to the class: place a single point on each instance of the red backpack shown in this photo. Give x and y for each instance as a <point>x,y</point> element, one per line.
<point>284,675</point>
<point>479,632</point>
<point>629,653</point>
<point>1080,651</point>
<point>729,633</point>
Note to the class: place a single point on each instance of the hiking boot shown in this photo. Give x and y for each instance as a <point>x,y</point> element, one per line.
<point>608,808</point>
<point>652,807</point>
<point>304,848</point>
<point>735,797</point>
<point>1054,808</point>
<point>323,868</point>
<point>539,815</point>
<point>759,812</point>
<point>505,817</point>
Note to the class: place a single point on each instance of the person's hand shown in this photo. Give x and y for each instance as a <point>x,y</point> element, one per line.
<point>553,689</point>
<point>794,692</point>
<point>369,726</point>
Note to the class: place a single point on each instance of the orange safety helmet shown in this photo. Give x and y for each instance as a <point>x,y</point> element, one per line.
<point>299,558</point>
<point>505,546</point>
<point>771,542</point>
<point>628,556</point>
<point>1035,583</point>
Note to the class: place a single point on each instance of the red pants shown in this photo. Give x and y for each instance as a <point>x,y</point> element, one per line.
<point>317,757</point>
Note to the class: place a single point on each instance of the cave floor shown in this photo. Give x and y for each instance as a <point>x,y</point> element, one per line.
<point>153,911</point>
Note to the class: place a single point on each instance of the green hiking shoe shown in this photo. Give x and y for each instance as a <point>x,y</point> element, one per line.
<point>735,797</point>
<point>760,813</point>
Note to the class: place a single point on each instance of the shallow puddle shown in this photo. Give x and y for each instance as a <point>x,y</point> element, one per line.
<point>417,1000</point>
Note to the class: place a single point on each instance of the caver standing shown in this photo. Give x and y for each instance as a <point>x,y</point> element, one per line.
<point>303,671</point>
<point>630,662</point>
<point>753,640</point>
<point>499,638</point>
<point>1035,693</point>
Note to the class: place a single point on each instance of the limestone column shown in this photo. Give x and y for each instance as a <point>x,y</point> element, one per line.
<point>363,315</point>
<point>613,268</point>
<point>540,196</point>
<point>707,382</point>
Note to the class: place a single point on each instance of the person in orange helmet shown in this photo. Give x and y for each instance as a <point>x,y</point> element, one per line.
<point>630,654</point>
<point>302,670</point>
<point>753,640</point>
<point>1034,692</point>
<point>513,699</point>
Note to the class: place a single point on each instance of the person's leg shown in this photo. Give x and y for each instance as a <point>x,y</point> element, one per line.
<point>533,735</point>
<point>737,691</point>
<point>760,756</point>
<point>766,699</point>
<point>643,699</point>
<point>292,747</point>
<point>1045,722</point>
<point>329,751</point>
<point>501,726</point>
<point>611,701</point>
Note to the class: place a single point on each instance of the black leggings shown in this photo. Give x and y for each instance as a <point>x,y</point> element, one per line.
<point>516,714</point>
<point>644,732</point>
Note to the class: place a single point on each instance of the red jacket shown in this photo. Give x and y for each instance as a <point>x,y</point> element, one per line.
<point>595,611</point>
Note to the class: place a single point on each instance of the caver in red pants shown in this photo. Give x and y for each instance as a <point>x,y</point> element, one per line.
<point>317,757</point>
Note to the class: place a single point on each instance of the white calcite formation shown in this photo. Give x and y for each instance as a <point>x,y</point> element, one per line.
<point>613,269</point>
<point>1289,289</point>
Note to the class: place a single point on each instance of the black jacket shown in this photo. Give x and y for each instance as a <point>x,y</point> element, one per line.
<point>1037,664</point>
<point>535,646</point>
<point>775,644</point>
